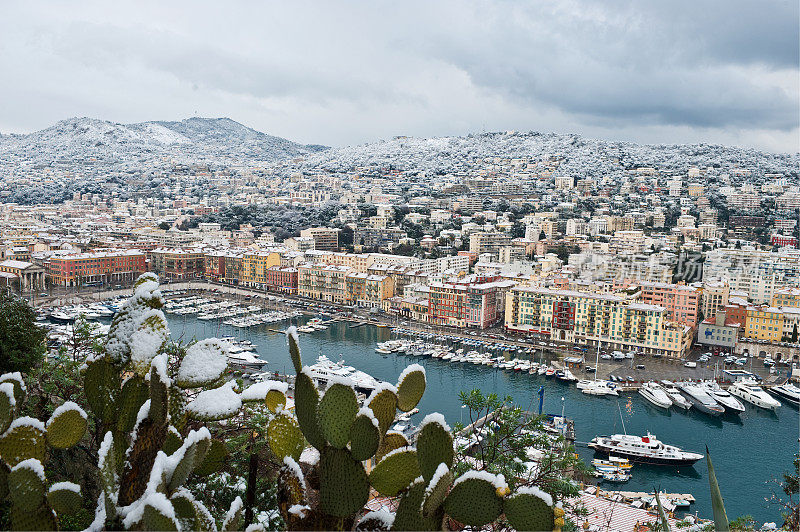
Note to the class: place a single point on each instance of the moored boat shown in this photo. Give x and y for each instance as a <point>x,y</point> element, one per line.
<point>749,391</point>
<point>787,392</point>
<point>644,449</point>
<point>700,399</point>
<point>655,395</point>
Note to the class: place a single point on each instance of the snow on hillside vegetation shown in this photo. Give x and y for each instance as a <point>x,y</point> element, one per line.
<point>580,156</point>
<point>90,141</point>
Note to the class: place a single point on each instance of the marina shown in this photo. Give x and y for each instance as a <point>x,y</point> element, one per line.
<point>457,363</point>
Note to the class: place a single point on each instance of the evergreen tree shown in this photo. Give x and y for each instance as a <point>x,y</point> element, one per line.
<point>22,342</point>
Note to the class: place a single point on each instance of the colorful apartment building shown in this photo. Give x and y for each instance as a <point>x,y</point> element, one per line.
<point>681,302</point>
<point>103,267</point>
<point>365,290</point>
<point>281,279</point>
<point>255,265</point>
<point>788,296</point>
<point>615,321</point>
<point>468,302</point>
<point>177,264</point>
<point>764,323</point>
<point>323,282</point>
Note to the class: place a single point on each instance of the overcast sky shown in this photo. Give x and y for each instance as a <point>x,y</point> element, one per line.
<point>338,73</point>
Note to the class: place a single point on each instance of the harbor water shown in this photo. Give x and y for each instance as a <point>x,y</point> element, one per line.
<point>750,451</point>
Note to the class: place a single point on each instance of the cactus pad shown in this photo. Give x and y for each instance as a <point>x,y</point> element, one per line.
<point>384,405</point>
<point>364,437</point>
<point>233,517</point>
<point>185,510</point>
<point>529,509</point>
<point>284,437</point>
<point>172,442</point>
<point>26,485</point>
<point>204,364</point>
<point>16,380</point>
<point>177,407</point>
<point>380,520</point>
<point>65,500</point>
<point>159,395</point>
<point>408,515</point>
<point>395,471</point>
<point>436,491</point>
<point>154,519</point>
<point>133,395</point>
<point>102,382</point>
<point>344,488</point>
<point>390,442</point>
<point>213,460</point>
<point>292,483</point>
<point>24,439</point>
<point>306,398</point>
<point>7,405</point>
<point>410,387</point>
<point>473,500</point>
<point>183,468</point>
<point>336,412</point>
<point>66,428</point>
<point>274,399</point>
<point>294,349</point>
<point>42,518</point>
<point>434,447</point>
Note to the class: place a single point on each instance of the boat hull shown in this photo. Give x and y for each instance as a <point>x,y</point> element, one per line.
<point>785,396</point>
<point>652,460</point>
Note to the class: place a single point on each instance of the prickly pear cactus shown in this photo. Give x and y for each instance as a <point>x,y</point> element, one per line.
<point>147,453</point>
<point>23,448</point>
<point>346,437</point>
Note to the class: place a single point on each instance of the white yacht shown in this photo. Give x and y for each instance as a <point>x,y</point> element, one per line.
<point>675,395</point>
<point>749,391</point>
<point>701,399</point>
<point>655,394</point>
<point>645,449</point>
<point>599,388</point>
<point>326,370</point>
<point>728,402</point>
<point>788,392</point>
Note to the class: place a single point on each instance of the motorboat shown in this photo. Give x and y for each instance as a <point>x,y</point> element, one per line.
<point>644,449</point>
<point>613,462</point>
<point>614,476</point>
<point>600,388</point>
<point>787,392</point>
<point>565,375</point>
<point>748,390</point>
<point>325,371</point>
<point>675,395</point>
<point>728,402</point>
<point>655,394</point>
<point>700,399</point>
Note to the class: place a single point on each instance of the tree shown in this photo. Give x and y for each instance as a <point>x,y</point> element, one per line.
<point>164,225</point>
<point>788,501</point>
<point>22,342</point>
<point>794,333</point>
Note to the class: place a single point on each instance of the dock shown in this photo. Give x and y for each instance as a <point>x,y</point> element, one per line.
<point>634,495</point>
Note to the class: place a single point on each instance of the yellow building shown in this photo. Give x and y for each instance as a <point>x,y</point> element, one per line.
<point>616,321</point>
<point>786,297</point>
<point>764,323</point>
<point>367,290</point>
<point>254,267</point>
<point>322,281</point>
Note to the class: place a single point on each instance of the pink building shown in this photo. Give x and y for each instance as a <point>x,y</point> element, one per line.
<point>681,302</point>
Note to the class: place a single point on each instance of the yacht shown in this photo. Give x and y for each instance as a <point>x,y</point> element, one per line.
<point>326,370</point>
<point>645,449</point>
<point>246,360</point>
<point>565,375</point>
<point>700,399</point>
<point>787,392</point>
<point>599,388</point>
<point>728,402</point>
<point>753,394</point>
<point>655,394</point>
<point>675,395</point>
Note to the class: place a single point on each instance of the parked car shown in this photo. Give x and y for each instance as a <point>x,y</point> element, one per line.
<point>639,366</point>
<point>690,364</point>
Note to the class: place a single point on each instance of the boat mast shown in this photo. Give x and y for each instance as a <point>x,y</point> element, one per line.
<point>621,419</point>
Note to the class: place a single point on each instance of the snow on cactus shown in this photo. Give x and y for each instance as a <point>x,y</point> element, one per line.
<point>205,362</point>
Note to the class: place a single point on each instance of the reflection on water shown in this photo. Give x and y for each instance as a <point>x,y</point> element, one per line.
<point>748,450</point>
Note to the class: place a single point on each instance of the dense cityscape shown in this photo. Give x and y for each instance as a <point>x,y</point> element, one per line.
<point>413,266</point>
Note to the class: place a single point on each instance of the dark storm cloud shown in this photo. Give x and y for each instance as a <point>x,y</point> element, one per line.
<point>345,72</point>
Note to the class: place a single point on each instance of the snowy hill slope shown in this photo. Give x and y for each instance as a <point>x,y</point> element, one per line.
<point>581,156</point>
<point>80,140</point>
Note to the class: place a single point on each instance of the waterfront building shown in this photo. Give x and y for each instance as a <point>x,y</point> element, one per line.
<point>255,265</point>
<point>681,302</point>
<point>764,323</point>
<point>369,291</point>
<point>177,264</point>
<point>719,331</point>
<point>322,281</point>
<point>468,302</point>
<point>30,276</point>
<point>616,321</point>
<point>98,267</point>
<point>281,279</point>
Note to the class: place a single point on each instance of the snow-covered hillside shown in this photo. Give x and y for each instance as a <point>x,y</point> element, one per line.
<point>581,156</point>
<point>90,141</point>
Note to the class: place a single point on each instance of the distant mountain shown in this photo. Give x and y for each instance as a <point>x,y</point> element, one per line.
<point>579,156</point>
<point>88,141</point>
